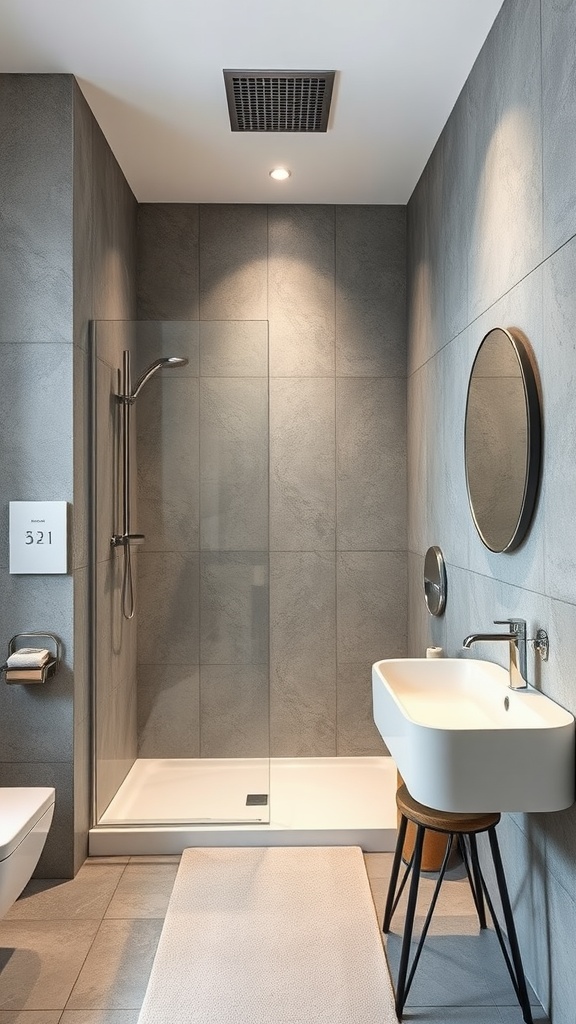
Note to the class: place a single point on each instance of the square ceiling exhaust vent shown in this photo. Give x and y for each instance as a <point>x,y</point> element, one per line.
<point>279,101</point>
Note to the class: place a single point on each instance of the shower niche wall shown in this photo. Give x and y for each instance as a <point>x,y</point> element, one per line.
<point>181,689</point>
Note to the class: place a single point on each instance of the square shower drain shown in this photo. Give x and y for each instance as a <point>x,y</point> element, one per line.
<point>257,800</point>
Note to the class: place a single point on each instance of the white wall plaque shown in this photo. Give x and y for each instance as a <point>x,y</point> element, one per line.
<point>38,537</point>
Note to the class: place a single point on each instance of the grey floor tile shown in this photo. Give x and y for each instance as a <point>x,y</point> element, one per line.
<point>108,860</point>
<point>456,1015</point>
<point>512,1015</point>
<point>96,1017</point>
<point>85,896</point>
<point>116,972</point>
<point>143,891</point>
<point>40,962</point>
<point>30,1016</point>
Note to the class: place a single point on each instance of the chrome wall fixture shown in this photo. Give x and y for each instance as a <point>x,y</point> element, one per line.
<point>127,398</point>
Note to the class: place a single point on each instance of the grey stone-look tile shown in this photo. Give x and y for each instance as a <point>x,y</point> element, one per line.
<point>168,608</point>
<point>371,291</point>
<point>372,605</point>
<point>116,971</point>
<point>371,464</point>
<point>40,961</point>
<point>234,592</point>
<point>110,338</point>
<point>302,654</point>
<point>160,339</point>
<point>235,348</point>
<point>36,244</point>
<point>425,265</point>
<point>143,891</point>
<point>357,736</point>
<point>30,1016</point>
<point>168,463</point>
<point>454,187</point>
<point>168,261</point>
<point>302,464</point>
<point>417,402</point>
<point>36,424</point>
<point>233,262</point>
<point>97,1017</point>
<point>84,897</point>
<point>235,710</point>
<point>83,217</point>
<point>114,231</point>
<point>108,485</point>
<point>234,464</point>
<point>504,122</point>
<point>168,711</point>
<point>559,379</point>
<point>558,106</point>
<point>301,290</point>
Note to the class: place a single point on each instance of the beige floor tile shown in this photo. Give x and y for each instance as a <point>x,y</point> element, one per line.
<point>30,1016</point>
<point>156,858</point>
<point>40,962</point>
<point>99,1017</point>
<point>85,896</point>
<point>143,891</point>
<point>116,972</point>
<point>107,860</point>
<point>378,865</point>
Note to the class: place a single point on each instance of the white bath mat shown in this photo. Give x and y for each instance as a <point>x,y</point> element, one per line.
<point>282,935</point>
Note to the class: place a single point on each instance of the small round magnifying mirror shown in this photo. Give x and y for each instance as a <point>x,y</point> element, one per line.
<point>435,580</point>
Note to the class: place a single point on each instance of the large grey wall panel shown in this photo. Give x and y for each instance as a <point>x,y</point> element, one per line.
<point>168,287</point>
<point>233,262</point>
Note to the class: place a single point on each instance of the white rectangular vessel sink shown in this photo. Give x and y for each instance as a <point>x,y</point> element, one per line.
<point>464,741</point>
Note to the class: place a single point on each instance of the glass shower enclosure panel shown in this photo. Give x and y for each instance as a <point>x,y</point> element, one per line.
<point>181,687</point>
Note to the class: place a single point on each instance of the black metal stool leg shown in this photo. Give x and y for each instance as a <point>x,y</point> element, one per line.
<point>394,876</point>
<point>477,883</point>
<point>521,990</point>
<point>409,923</point>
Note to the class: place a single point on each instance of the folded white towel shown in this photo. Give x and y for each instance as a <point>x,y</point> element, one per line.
<point>29,657</point>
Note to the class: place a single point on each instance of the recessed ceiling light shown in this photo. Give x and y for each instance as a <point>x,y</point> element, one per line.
<point>280,173</point>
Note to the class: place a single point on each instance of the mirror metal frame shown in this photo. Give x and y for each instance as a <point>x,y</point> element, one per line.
<point>533,440</point>
<point>435,580</point>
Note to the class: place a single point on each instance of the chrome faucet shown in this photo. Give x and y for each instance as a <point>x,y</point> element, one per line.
<point>517,641</point>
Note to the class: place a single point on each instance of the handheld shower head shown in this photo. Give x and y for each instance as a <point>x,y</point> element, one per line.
<point>166,363</point>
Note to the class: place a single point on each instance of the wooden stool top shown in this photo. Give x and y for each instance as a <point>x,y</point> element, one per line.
<point>442,821</point>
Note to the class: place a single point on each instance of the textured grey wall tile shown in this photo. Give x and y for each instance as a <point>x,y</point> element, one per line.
<point>357,734</point>
<point>416,461</point>
<point>235,710</point>
<point>114,231</point>
<point>559,381</point>
<point>371,291</point>
<point>457,202</point>
<point>168,711</point>
<point>167,463</point>
<point>81,460</point>
<point>108,489</point>
<point>372,605</point>
<point>425,265</point>
<point>234,464</point>
<point>558,111</point>
<point>233,262</point>
<point>371,464</point>
<point>302,654</point>
<point>234,608</point>
<point>236,348</point>
<point>506,155</point>
<point>83,217</point>
<point>36,176</point>
<point>168,268</point>
<point>36,424</point>
<point>302,464</point>
<point>168,608</point>
<point>301,290</point>
<point>157,339</point>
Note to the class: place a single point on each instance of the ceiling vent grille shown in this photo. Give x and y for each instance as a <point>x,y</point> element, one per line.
<point>279,101</point>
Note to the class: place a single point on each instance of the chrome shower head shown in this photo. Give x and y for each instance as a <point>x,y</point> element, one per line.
<point>166,363</point>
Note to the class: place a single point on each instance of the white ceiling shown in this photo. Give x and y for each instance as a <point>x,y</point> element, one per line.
<point>151,71</point>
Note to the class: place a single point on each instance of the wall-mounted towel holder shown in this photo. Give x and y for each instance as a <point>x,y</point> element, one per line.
<point>33,675</point>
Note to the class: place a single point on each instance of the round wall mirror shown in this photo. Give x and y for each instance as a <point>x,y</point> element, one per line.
<point>502,439</point>
<point>435,580</point>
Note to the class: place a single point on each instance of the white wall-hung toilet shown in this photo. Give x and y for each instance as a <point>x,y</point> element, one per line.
<point>25,818</point>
